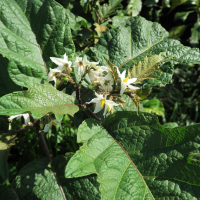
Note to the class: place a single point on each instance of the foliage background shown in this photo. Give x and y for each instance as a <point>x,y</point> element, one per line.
<point>180,99</point>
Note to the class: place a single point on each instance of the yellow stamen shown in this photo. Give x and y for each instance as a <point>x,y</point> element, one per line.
<point>102,102</point>
<point>54,123</point>
<point>125,80</point>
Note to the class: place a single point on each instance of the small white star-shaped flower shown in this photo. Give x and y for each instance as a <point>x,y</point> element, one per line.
<point>100,101</point>
<point>62,63</point>
<point>49,125</point>
<point>95,74</point>
<point>25,116</point>
<point>126,82</point>
<point>107,81</point>
<point>52,75</point>
<point>81,63</point>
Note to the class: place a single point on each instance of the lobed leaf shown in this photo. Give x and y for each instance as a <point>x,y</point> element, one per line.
<point>39,99</point>
<point>19,45</point>
<point>106,10</point>
<point>145,68</point>
<point>101,154</point>
<point>38,180</point>
<point>143,152</point>
<point>50,23</point>
<point>136,38</point>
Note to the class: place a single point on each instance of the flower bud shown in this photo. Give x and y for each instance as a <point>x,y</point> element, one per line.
<point>121,100</point>
<point>65,79</point>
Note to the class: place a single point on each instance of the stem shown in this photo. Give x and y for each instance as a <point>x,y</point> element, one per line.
<point>61,189</point>
<point>78,89</point>
<point>44,146</point>
<point>46,151</point>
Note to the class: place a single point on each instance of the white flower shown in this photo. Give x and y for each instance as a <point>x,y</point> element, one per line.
<point>25,116</point>
<point>62,63</point>
<point>52,75</point>
<point>100,102</point>
<point>49,125</point>
<point>107,81</point>
<point>74,94</point>
<point>81,63</point>
<point>95,74</point>
<point>126,82</point>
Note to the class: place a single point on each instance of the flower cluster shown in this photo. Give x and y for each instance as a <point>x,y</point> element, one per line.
<point>101,78</point>
<point>99,75</point>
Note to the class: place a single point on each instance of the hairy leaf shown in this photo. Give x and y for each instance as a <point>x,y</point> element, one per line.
<point>18,43</point>
<point>145,68</point>
<point>50,24</point>
<point>156,155</point>
<point>106,10</point>
<point>160,154</point>
<point>39,99</point>
<point>137,38</point>
<point>101,154</point>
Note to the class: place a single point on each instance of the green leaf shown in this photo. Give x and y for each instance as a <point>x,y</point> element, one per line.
<point>119,21</point>
<point>177,31</point>
<point>50,24</point>
<point>84,4</point>
<point>19,45</point>
<point>7,140</point>
<point>176,3</point>
<point>145,38</point>
<point>76,22</point>
<point>134,41</point>
<point>134,7</point>
<point>101,154</point>
<point>170,125</point>
<point>106,10</point>
<point>39,99</point>
<point>182,15</point>
<point>142,150</point>
<point>153,106</point>
<point>37,180</point>
<point>78,188</point>
<point>7,192</point>
<point>160,154</point>
<point>195,35</point>
<point>145,68</point>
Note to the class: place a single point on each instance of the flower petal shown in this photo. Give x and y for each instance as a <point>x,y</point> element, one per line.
<point>123,75</point>
<point>133,87</point>
<point>105,111</point>
<point>123,87</point>
<point>47,127</point>
<point>65,57</point>
<point>132,80</point>
<point>111,103</point>
<point>57,61</point>
<point>26,118</point>
<point>98,107</point>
